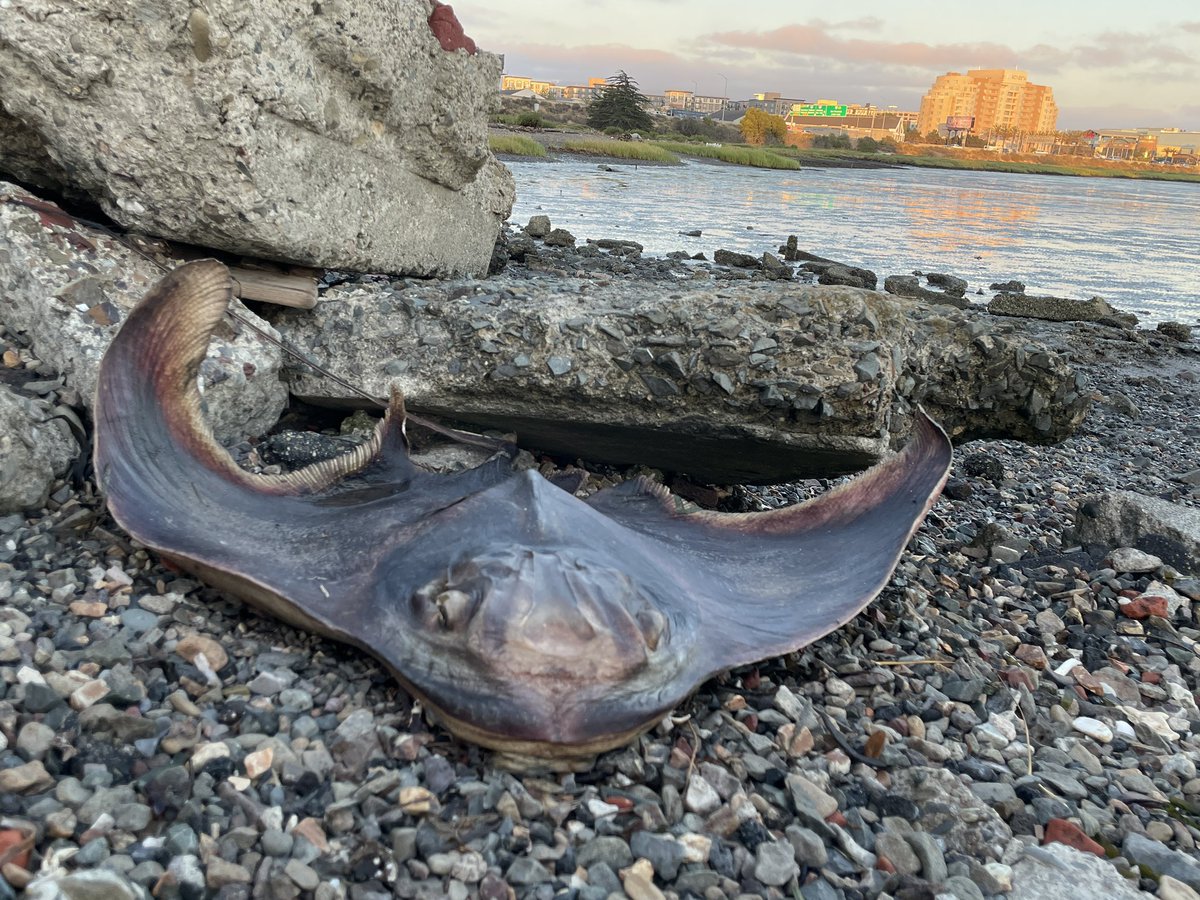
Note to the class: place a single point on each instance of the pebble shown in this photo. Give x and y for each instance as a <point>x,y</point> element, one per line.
<point>1093,728</point>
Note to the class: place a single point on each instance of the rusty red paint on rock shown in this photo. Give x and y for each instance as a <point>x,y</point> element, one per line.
<point>1062,831</point>
<point>1145,606</point>
<point>446,28</point>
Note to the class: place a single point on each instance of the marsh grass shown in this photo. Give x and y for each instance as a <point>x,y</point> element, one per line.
<point>634,150</point>
<point>515,145</point>
<point>1098,170</point>
<point>733,153</point>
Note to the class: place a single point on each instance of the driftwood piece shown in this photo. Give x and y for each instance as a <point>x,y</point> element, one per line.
<point>298,291</point>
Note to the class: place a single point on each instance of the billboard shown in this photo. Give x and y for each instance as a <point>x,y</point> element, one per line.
<point>818,109</point>
<point>960,123</point>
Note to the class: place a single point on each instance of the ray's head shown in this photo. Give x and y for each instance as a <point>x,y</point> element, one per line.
<point>542,650</point>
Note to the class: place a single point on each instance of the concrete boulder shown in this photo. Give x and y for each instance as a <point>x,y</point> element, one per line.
<point>1060,309</point>
<point>748,382</point>
<point>36,447</point>
<point>910,286</point>
<point>337,134</point>
<point>1128,519</point>
<point>68,289</point>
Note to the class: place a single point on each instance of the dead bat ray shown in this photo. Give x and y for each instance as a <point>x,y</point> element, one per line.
<point>524,618</point>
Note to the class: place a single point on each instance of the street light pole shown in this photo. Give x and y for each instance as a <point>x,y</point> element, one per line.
<point>724,95</point>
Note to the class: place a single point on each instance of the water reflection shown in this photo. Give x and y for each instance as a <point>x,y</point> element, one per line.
<point>1132,242</point>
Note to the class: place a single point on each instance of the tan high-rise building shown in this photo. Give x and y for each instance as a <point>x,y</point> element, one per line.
<point>996,98</point>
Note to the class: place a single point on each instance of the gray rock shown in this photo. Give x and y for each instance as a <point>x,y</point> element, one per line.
<point>1059,872</point>
<point>803,408</point>
<point>527,871</point>
<point>1161,859</point>
<point>560,237</point>
<point>910,286</point>
<point>83,886</point>
<point>1127,519</point>
<point>538,227</point>
<point>926,849</point>
<point>346,137</point>
<point>70,301</point>
<point>664,852</point>
<point>35,449</point>
<point>964,823</point>
<point>735,259</point>
<point>951,284</point>
<point>898,852</point>
<point>963,888</point>
<point>775,863</point>
<point>34,740</point>
<point>809,847</point>
<point>1060,309</point>
<point>607,849</point>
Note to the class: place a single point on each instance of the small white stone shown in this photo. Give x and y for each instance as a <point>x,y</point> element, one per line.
<point>1005,724</point>
<point>1125,730</point>
<point>239,783</point>
<point>206,753</point>
<point>701,797</point>
<point>1001,874</point>
<point>1093,728</point>
<point>1066,667</point>
<point>599,809</point>
<point>29,675</point>
<point>1173,889</point>
<point>696,847</point>
<point>990,734</point>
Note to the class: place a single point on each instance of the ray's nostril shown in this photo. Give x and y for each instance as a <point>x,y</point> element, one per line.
<point>653,625</point>
<point>452,607</point>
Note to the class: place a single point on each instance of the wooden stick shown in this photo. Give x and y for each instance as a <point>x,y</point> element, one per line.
<point>297,291</point>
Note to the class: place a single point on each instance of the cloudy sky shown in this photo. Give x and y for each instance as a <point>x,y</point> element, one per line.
<point>1111,64</point>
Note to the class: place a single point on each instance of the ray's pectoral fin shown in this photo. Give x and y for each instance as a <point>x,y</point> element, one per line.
<point>149,420</point>
<point>768,583</point>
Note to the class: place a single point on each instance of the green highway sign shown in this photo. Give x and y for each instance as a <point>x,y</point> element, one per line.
<point>816,109</point>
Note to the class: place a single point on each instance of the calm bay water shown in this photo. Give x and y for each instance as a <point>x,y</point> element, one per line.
<point>1135,243</point>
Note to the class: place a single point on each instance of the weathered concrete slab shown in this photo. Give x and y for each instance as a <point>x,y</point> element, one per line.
<point>69,289</point>
<point>1128,519</point>
<point>741,382</point>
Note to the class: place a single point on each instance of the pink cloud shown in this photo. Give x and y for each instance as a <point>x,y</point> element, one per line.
<point>816,40</point>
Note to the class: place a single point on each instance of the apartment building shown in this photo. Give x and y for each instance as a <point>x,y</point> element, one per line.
<point>995,98</point>
<point>522,83</point>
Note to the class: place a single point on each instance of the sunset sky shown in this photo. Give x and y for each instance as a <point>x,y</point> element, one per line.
<point>1110,64</point>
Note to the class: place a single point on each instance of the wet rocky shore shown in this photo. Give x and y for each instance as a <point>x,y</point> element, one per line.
<point>1015,716</point>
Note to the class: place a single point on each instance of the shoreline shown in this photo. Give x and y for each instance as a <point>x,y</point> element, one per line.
<point>849,159</point>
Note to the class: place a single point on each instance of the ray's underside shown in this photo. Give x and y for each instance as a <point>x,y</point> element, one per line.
<point>525,618</point>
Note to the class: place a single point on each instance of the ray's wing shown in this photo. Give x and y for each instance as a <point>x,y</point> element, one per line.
<point>302,545</point>
<point>763,584</point>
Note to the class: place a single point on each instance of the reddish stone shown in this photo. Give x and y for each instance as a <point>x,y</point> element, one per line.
<point>446,28</point>
<point>1145,606</point>
<point>883,864</point>
<point>1015,677</point>
<point>1130,593</point>
<point>751,680</point>
<point>622,803</point>
<point>1061,831</point>
<point>1032,655</point>
<point>1151,678</point>
<point>15,843</point>
<point>836,818</point>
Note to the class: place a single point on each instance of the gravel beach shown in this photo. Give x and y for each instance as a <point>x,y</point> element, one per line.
<point>1014,716</point>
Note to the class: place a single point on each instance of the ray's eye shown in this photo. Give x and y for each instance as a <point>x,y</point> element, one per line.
<point>452,608</point>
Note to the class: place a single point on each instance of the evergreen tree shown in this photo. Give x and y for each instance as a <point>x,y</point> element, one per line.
<point>620,105</point>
